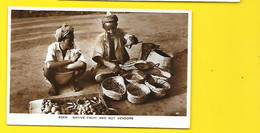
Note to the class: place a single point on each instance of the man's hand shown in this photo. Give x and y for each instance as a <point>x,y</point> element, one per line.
<point>64,65</point>
<point>75,57</point>
<point>114,67</point>
<point>130,40</point>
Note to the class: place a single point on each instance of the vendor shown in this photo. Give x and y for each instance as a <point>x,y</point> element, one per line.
<point>63,57</point>
<point>110,49</point>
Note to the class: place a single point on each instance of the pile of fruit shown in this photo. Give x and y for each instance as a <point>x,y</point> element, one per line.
<point>93,106</point>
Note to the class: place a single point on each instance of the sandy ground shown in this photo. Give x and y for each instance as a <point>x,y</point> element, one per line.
<point>30,38</point>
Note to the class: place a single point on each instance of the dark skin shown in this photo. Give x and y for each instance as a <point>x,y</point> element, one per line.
<point>110,29</point>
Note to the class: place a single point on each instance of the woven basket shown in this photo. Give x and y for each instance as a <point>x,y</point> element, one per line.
<point>113,94</point>
<point>162,81</point>
<point>137,99</point>
<point>164,59</point>
<point>156,92</point>
<point>136,76</point>
<point>160,91</point>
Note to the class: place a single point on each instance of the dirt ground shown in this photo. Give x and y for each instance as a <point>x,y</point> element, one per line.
<point>30,38</point>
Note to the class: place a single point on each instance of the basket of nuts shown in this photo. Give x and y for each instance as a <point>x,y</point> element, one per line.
<point>114,88</point>
<point>137,93</point>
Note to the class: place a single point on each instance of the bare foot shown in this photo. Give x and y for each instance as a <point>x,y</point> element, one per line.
<point>74,86</point>
<point>53,91</point>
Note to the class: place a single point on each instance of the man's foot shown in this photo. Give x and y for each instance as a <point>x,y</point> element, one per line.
<point>53,91</point>
<point>74,86</point>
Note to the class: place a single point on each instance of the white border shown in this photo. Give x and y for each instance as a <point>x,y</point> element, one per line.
<point>181,0</point>
<point>138,121</point>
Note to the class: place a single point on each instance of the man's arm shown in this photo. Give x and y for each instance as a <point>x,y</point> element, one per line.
<point>98,54</point>
<point>57,64</point>
<point>102,61</point>
<point>113,66</point>
<point>76,65</point>
<point>62,64</point>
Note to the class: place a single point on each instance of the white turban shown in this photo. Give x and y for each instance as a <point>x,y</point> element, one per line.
<point>62,31</point>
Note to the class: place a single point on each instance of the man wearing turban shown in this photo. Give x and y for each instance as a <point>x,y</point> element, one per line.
<point>64,62</point>
<point>110,49</point>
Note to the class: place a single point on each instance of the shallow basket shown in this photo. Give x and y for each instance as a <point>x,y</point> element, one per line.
<point>138,99</point>
<point>113,94</point>
<point>156,92</point>
<point>161,80</point>
<point>136,76</point>
<point>64,77</point>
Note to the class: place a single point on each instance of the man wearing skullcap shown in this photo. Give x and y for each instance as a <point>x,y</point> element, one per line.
<point>110,49</point>
<point>63,57</point>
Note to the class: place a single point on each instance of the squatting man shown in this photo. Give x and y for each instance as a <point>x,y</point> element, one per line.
<point>65,62</point>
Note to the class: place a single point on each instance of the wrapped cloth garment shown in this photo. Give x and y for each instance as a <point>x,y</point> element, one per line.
<point>109,18</point>
<point>62,31</point>
<point>103,44</point>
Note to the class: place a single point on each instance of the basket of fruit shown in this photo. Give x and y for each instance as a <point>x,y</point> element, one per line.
<point>137,93</point>
<point>114,88</point>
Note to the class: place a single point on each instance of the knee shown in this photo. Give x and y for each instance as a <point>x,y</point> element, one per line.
<point>99,78</point>
<point>78,73</point>
<point>84,66</point>
<point>46,69</point>
<point>47,65</point>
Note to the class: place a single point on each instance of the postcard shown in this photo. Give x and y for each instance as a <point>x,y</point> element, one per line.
<point>99,67</point>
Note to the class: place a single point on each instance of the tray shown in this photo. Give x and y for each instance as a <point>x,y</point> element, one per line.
<point>35,105</point>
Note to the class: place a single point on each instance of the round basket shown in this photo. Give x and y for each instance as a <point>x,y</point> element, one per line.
<point>114,87</point>
<point>64,77</point>
<point>137,93</point>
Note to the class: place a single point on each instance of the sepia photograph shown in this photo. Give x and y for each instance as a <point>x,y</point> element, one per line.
<point>99,67</point>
